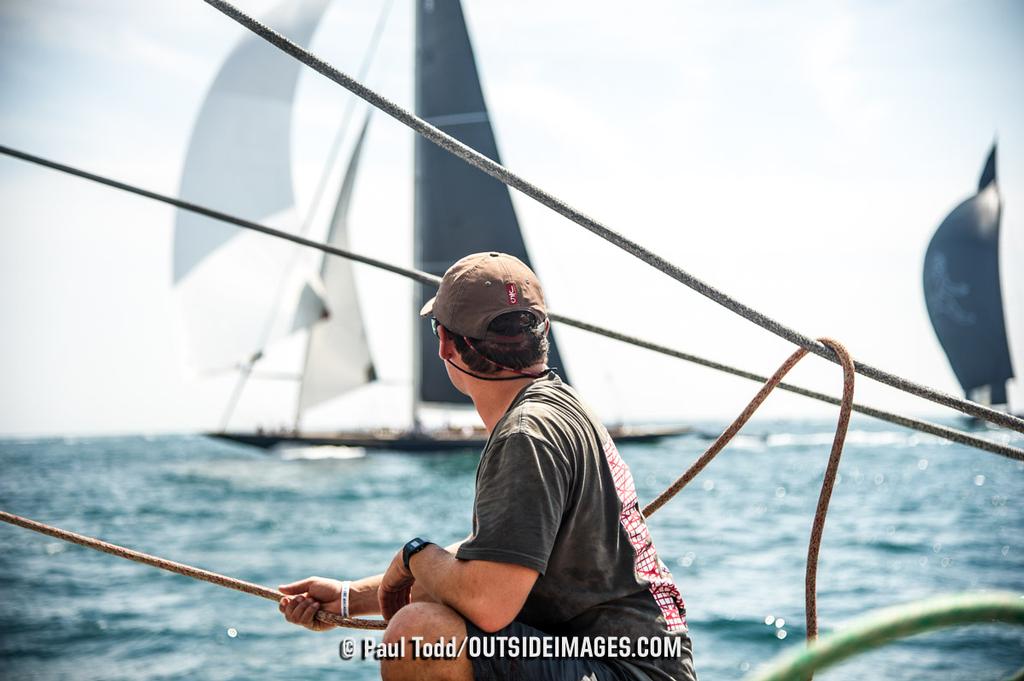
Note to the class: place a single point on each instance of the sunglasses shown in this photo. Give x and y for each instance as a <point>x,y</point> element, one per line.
<point>433,326</point>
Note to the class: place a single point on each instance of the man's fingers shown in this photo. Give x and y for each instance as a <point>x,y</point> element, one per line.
<point>304,611</point>
<point>309,613</point>
<point>384,598</point>
<point>296,587</point>
<point>293,609</point>
<point>393,601</point>
<point>299,610</point>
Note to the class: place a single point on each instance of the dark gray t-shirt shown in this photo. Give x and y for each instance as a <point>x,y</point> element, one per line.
<point>553,494</point>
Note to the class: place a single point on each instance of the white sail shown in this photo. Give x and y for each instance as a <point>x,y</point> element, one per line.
<point>311,306</point>
<point>231,285</point>
<point>242,298</point>
<point>338,355</point>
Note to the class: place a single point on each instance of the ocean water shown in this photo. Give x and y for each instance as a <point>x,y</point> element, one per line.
<point>912,516</point>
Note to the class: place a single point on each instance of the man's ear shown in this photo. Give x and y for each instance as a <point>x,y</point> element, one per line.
<point>445,346</point>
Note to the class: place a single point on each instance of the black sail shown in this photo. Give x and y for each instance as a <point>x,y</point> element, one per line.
<point>458,209</point>
<point>963,294</point>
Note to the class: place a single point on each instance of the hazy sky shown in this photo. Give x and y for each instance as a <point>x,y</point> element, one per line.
<point>796,155</point>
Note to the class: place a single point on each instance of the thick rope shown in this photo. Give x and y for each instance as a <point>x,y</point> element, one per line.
<point>182,569</point>
<point>881,627</point>
<point>502,174</point>
<point>818,526</point>
<point>427,279</point>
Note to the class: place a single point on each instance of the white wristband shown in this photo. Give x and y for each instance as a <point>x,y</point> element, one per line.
<point>346,586</point>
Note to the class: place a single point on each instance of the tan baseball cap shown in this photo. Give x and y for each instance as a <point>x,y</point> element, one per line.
<point>479,288</point>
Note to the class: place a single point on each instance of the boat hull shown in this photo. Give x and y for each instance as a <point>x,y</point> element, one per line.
<point>418,442</point>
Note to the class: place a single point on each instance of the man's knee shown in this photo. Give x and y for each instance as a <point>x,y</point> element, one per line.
<point>432,622</point>
<point>429,620</point>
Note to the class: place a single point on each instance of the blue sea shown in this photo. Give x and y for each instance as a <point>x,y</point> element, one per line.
<point>912,516</point>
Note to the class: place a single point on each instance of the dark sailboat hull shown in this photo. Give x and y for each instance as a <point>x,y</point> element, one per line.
<point>407,441</point>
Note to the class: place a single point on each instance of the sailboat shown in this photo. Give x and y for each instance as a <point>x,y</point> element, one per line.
<point>239,159</point>
<point>963,293</point>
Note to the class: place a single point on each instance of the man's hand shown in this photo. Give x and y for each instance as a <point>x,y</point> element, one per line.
<point>395,590</point>
<point>304,598</point>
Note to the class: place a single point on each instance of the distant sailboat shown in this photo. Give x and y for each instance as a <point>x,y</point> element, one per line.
<point>458,210</point>
<point>963,293</point>
<point>241,294</point>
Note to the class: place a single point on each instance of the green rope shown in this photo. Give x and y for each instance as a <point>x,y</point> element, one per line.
<point>889,624</point>
<point>1017,676</point>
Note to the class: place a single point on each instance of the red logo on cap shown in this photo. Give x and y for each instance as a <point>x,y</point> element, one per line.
<point>513,295</point>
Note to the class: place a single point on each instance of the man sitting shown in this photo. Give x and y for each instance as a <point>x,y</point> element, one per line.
<point>559,547</point>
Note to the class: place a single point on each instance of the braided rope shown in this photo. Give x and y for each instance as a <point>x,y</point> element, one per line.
<point>427,279</point>
<point>504,175</point>
<point>182,569</point>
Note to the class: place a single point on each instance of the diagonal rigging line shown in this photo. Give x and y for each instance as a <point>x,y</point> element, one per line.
<point>422,277</point>
<point>944,432</point>
<point>433,280</point>
<point>499,172</point>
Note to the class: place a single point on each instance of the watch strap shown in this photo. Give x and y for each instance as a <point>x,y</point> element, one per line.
<point>412,547</point>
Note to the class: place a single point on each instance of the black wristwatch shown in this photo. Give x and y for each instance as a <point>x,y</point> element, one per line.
<point>413,547</point>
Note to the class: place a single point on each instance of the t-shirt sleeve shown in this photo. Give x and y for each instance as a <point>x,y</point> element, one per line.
<point>521,489</point>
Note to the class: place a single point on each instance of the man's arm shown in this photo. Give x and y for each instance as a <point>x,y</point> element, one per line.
<point>304,598</point>
<point>488,593</point>
<point>522,490</point>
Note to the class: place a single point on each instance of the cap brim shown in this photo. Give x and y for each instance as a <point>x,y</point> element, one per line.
<point>428,308</point>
